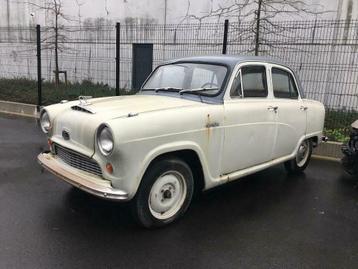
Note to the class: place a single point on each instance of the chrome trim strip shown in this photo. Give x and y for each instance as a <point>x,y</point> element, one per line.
<point>87,183</point>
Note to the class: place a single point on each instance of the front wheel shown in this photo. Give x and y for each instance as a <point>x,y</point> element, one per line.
<point>165,193</point>
<point>302,159</point>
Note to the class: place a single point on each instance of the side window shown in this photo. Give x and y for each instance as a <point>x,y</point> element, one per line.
<point>236,90</point>
<point>254,81</point>
<point>283,84</point>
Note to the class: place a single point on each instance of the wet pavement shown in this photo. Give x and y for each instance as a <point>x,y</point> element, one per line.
<point>267,220</point>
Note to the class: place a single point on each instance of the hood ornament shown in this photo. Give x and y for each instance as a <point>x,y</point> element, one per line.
<point>83,105</point>
<point>84,100</point>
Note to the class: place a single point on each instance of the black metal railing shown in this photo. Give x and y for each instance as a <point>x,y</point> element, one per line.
<point>97,59</point>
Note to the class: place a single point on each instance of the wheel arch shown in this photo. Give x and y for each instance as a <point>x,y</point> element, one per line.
<point>315,140</point>
<point>190,154</point>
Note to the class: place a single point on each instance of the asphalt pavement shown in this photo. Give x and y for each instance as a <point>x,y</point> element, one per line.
<point>267,220</point>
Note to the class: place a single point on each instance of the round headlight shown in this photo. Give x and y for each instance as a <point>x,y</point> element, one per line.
<point>45,122</point>
<point>105,140</point>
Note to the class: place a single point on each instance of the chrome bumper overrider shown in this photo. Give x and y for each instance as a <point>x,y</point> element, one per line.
<point>90,184</point>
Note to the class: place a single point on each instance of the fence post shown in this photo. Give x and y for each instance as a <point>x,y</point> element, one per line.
<point>226,29</point>
<point>257,34</point>
<point>39,76</point>
<point>118,39</point>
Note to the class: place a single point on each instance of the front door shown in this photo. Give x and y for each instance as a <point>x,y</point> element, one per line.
<point>250,121</point>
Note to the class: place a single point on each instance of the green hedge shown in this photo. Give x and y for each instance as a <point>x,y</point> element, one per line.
<point>337,123</point>
<point>25,91</point>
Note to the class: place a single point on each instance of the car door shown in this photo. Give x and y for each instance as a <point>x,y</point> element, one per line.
<point>291,113</point>
<point>249,124</point>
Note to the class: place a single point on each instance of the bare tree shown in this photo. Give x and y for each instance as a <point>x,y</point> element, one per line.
<point>79,15</point>
<point>56,37</point>
<point>261,15</point>
<point>268,10</point>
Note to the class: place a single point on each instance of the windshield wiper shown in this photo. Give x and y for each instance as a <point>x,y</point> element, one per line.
<point>197,90</point>
<point>169,89</point>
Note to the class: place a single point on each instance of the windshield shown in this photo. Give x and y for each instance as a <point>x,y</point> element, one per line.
<point>188,77</point>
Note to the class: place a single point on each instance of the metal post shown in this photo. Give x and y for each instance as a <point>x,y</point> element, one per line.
<point>226,29</point>
<point>39,77</point>
<point>118,38</point>
<point>258,18</point>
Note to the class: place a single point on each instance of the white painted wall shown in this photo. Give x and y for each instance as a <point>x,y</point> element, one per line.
<point>326,70</point>
<point>13,12</point>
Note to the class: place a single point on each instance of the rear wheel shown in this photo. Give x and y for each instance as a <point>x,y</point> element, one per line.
<point>302,159</point>
<point>165,193</point>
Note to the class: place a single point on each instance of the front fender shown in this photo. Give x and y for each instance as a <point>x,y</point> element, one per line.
<point>138,167</point>
<point>173,147</point>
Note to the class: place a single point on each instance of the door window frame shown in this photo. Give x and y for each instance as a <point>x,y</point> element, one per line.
<point>237,72</point>
<point>283,68</point>
<point>237,76</point>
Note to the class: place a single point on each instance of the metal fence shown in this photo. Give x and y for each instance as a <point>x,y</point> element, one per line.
<point>323,53</point>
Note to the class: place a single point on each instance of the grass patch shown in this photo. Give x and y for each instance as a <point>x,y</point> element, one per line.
<point>25,91</point>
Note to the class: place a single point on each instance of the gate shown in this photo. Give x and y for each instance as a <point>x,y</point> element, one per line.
<point>142,63</point>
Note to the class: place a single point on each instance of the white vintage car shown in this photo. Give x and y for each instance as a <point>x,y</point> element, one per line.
<point>195,124</point>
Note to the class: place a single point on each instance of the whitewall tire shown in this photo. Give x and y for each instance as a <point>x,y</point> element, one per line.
<point>302,158</point>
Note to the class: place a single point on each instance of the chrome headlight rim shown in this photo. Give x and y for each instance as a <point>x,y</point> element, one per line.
<point>45,122</point>
<point>100,130</point>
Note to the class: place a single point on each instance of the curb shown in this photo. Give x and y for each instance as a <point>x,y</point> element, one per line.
<point>325,158</point>
<point>327,150</point>
<point>19,109</point>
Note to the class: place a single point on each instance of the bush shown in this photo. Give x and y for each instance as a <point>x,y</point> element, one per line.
<point>25,91</point>
<point>338,135</point>
<point>338,124</point>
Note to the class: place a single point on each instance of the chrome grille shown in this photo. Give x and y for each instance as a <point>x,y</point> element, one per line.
<point>78,160</point>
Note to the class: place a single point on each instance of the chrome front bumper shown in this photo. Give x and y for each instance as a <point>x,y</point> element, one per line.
<point>86,182</point>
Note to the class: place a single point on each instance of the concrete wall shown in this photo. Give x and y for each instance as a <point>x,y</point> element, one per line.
<point>144,11</point>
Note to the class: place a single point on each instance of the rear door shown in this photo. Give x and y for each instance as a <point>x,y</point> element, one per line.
<point>291,111</point>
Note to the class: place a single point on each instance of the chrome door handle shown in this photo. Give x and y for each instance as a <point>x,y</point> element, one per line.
<point>303,108</point>
<point>272,108</point>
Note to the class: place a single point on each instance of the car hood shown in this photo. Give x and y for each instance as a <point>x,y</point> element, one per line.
<point>355,124</point>
<point>113,107</point>
<point>81,120</point>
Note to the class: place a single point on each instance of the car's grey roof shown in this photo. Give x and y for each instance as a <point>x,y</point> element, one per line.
<point>229,60</point>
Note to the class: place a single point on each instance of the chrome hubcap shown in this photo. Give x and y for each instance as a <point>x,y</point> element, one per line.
<point>302,154</point>
<point>167,195</point>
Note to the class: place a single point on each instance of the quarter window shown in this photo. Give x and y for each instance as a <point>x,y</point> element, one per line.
<point>254,82</point>
<point>236,90</point>
<point>283,84</point>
